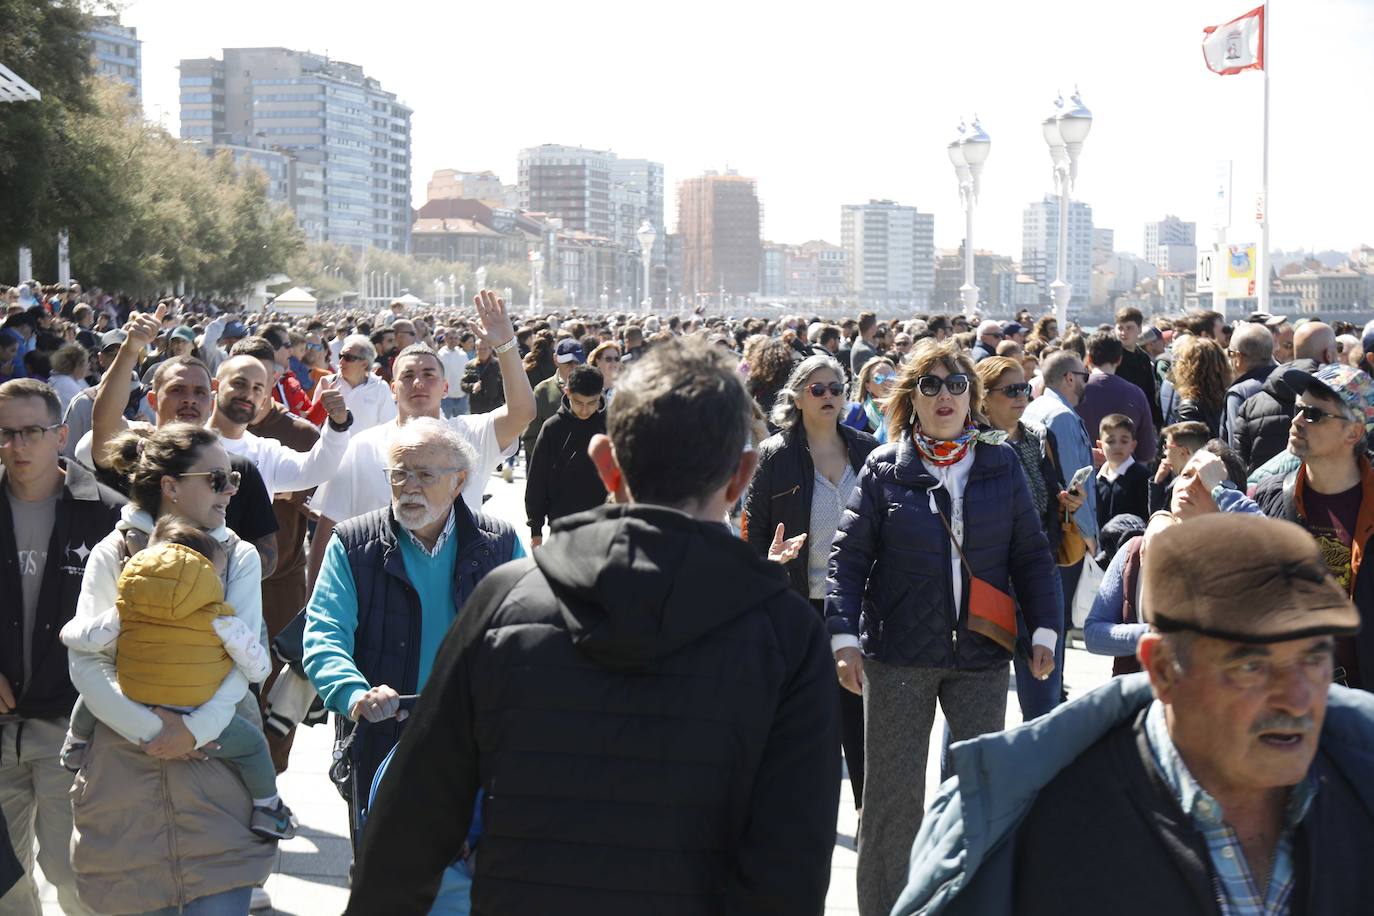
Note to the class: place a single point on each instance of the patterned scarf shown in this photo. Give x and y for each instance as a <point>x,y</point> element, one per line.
<point>945,452</point>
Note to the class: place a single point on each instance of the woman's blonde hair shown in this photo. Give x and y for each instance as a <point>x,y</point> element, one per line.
<point>1201,371</point>
<point>925,356</point>
<point>991,369</point>
<point>870,368</point>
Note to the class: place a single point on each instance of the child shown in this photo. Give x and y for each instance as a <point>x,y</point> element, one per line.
<point>1123,487</point>
<point>1181,441</point>
<point>176,640</point>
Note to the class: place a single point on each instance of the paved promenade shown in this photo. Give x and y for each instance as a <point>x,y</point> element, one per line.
<point>312,870</point>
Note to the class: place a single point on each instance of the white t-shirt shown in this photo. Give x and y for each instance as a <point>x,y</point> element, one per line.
<point>371,403</point>
<point>361,486</point>
<point>455,361</point>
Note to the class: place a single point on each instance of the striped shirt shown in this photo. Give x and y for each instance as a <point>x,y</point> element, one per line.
<point>1237,892</point>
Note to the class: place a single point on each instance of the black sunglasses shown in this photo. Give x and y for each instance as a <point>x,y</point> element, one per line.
<point>930,385</point>
<point>220,479</point>
<point>1312,414</point>
<point>1019,390</point>
<point>352,358</point>
<point>818,390</point>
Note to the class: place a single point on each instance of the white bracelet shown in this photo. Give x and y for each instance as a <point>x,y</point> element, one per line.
<point>505,347</point>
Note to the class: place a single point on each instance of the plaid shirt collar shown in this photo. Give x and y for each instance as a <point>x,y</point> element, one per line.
<point>1238,894</point>
<point>439,544</point>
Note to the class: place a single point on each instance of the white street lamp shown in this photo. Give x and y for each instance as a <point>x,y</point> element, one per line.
<point>1065,130</point>
<point>480,275</point>
<point>536,280</point>
<point>968,152</point>
<point>453,287</point>
<point>647,235</point>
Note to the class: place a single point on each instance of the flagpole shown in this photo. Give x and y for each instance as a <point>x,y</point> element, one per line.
<point>1262,261</point>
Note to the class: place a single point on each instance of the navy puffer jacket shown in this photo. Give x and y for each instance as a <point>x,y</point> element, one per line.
<point>890,569</point>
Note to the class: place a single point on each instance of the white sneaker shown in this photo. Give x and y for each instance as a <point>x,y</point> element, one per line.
<point>261,901</point>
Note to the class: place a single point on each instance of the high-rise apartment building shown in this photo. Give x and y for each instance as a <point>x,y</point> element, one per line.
<point>891,253</point>
<point>720,221</point>
<point>832,268</point>
<point>1170,231</point>
<point>349,138</point>
<point>1104,245</point>
<point>117,52</point>
<point>448,184</point>
<point>1040,247</point>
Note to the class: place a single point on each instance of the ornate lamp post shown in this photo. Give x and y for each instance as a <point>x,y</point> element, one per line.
<point>968,152</point>
<point>646,235</point>
<point>1065,130</point>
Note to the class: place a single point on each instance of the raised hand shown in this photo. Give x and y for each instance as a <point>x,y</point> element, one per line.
<point>143,328</point>
<point>493,324</point>
<point>333,400</point>
<point>785,550</point>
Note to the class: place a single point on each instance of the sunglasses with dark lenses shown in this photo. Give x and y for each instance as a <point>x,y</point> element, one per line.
<point>1313,414</point>
<point>352,358</point>
<point>1019,390</point>
<point>930,385</point>
<point>220,479</point>
<point>819,390</point>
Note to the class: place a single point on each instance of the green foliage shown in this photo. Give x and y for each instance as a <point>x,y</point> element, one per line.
<point>335,273</point>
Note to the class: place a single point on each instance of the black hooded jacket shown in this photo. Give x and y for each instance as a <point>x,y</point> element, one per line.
<point>562,479</point>
<point>651,711</point>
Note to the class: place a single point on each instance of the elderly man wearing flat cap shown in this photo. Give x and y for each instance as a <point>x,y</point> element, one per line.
<point>1331,492</point>
<point>1231,777</point>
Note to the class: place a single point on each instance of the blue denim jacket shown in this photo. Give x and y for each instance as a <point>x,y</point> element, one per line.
<point>1075,450</point>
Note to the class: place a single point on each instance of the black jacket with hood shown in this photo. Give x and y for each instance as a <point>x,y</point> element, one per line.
<point>562,479</point>
<point>1262,425</point>
<point>651,711</point>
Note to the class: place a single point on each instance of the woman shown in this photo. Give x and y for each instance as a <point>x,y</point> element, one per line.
<point>1006,394</point>
<point>158,826</point>
<point>1046,328</point>
<point>1201,375</point>
<point>539,362</point>
<point>606,357</point>
<point>898,609</point>
<point>806,474</point>
<point>871,387</point>
<point>69,367</point>
<point>770,365</point>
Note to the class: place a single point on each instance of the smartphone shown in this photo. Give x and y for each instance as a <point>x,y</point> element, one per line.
<point>1080,477</point>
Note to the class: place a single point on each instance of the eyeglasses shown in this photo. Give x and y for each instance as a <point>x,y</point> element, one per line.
<point>427,477</point>
<point>930,385</point>
<point>882,378</point>
<point>315,346</point>
<point>1080,373</point>
<point>220,479</point>
<point>1313,415</point>
<point>819,390</point>
<point>27,435</point>
<point>352,358</point>
<point>1019,390</point>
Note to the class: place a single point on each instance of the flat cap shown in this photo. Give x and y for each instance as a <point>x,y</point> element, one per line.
<point>1243,578</point>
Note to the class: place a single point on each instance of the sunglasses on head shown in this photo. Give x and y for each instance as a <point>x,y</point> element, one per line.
<point>220,479</point>
<point>1018,390</point>
<point>819,390</point>
<point>1313,414</point>
<point>930,385</point>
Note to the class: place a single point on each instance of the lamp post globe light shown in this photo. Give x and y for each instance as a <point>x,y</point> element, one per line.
<point>968,151</point>
<point>646,236</point>
<point>1065,129</point>
<point>480,275</point>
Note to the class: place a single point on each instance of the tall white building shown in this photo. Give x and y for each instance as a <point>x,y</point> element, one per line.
<point>891,253</point>
<point>117,52</point>
<point>1040,247</point>
<point>1170,231</point>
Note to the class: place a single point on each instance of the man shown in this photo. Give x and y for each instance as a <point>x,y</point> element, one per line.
<point>52,512</point>
<point>181,391</point>
<point>989,336</point>
<point>78,416</point>
<point>827,342</point>
<point>392,582</point>
<point>483,381</point>
<point>1107,393</point>
<point>384,342</point>
<point>1014,330</point>
<point>1065,382</point>
<point>1204,324</point>
<point>609,646</point>
<point>562,479</point>
<point>287,390</point>
<point>368,398</point>
<point>420,386</point>
<point>548,394</point>
<point>404,329</point>
<point>1230,777</point>
<point>1283,337</point>
<point>219,338</point>
<point>455,361</point>
<point>634,345</point>
<point>1181,442</point>
<point>864,347</point>
<point>1136,365</point>
<point>1331,494</point>
<point>387,316</point>
<point>1252,362</point>
<point>1261,427</point>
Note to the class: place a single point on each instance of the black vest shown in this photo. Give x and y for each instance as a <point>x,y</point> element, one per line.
<point>386,643</point>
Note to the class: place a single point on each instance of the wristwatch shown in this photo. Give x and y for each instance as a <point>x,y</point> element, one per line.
<point>508,345</point>
<point>341,427</point>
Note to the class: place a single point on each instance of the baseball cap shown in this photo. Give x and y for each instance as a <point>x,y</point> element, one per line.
<point>1338,381</point>
<point>1012,327</point>
<point>1243,578</point>
<point>182,332</point>
<point>570,351</point>
<point>1148,334</point>
<point>112,339</point>
<point>235,329</point>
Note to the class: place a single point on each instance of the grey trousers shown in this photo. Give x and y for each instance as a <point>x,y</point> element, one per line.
<point>899,710</point>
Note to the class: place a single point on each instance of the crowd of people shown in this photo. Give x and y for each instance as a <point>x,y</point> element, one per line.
<point>761,552</point>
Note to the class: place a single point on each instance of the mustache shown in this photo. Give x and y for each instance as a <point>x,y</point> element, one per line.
<point>1282,722</point>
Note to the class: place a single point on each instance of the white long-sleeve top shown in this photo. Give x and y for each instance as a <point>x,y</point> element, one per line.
<point>285,470</point>
<point>93,673</point>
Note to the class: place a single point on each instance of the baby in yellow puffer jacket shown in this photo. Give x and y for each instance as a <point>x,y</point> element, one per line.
<point>175,642</point>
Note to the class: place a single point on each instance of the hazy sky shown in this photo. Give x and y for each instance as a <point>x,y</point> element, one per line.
<point>837,103</point>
